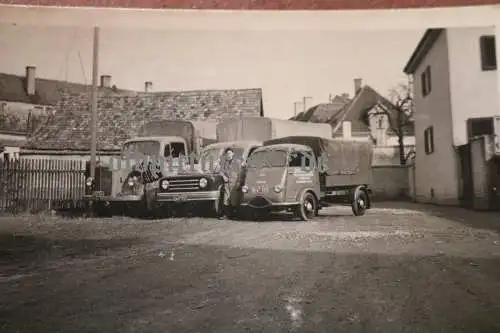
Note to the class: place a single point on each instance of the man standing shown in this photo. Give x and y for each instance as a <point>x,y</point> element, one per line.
<point>226,171</point>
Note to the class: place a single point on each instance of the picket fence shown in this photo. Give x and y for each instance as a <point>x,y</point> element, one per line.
<point>37,184</point>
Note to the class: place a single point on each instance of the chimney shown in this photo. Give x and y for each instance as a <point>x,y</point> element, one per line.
<point>148,86</point>
<point>30,80</point>
<point>346,129</point>
<point>105,81</point>
<point>357,85</point>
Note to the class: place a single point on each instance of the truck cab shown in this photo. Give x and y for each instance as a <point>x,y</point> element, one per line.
<point>130,180</point>
<point>203,185</point>
<point>276,181</point>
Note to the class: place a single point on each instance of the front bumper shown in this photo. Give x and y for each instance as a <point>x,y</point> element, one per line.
<point>261,202</point>
<point>111,199</point>
<point>187,196</point>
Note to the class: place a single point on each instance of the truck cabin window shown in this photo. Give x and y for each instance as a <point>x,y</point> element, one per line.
<point>267,159</point>
<point>300,159</point>
<point>174,150</point>
<point>141,148</point>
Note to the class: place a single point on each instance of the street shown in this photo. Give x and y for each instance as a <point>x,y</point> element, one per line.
<point>400,268</point>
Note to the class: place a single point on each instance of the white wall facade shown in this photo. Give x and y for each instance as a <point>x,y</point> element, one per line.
<point>473,91</point>
<point>436,174</point>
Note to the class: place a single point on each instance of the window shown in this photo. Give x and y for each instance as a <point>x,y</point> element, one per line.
<point>267,159</point>
<point>300,159</point>
<point>380,123</point>
<point>488,53</point>
<point>167,151</point>
<point>177,148</point>
<point>480,126</point>
<point>425,81</point>
<point>429,140</point>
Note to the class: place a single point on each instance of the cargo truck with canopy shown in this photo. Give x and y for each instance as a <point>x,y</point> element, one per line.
<point>302,174</point>
<point>130,182</point>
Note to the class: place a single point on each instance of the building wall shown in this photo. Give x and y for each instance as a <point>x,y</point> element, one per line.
<point>473,91</point>
<point>390,182</point>
<point>436,174</point>
<point>388,155</point>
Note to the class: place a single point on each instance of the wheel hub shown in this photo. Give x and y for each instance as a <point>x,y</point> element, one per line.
<point>309,206</point>
<point>361,203</point>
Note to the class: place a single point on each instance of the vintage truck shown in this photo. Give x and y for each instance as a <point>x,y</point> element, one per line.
<point>201,187</point>
<point>302,174</point>
<point>129,183</point>
<point>244,135</point>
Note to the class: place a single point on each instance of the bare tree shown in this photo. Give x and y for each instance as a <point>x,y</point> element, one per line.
<point>400,115</point>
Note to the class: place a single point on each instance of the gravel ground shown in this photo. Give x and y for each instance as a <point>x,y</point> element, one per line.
<point>400,268</point>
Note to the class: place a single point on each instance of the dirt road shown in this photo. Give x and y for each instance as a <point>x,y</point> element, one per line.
<point>400,268</point>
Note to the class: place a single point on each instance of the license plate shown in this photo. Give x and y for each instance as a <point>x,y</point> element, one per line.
<point>180,198</point>
<point>99,193</point>
<point>261,189</point>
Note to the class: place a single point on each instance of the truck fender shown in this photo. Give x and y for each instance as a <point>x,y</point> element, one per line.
<point>308,189</point>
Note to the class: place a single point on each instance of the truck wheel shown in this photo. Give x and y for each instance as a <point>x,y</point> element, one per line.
<point>307,209</point>
<point>359,202</point>
<point>216,205</point>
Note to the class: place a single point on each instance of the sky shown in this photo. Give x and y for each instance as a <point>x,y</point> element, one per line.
<point>287,65</point>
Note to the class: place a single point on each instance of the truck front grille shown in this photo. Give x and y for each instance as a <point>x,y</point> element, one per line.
<point>184,185</point>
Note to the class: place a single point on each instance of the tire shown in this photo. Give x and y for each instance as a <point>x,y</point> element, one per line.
<point>216,206</point>
<point>360,202</point>
<point>308,207</point>
<point>100,210</point>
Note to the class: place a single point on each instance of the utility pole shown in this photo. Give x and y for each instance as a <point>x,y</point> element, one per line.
<point>295,107</point>
<point>93,97</point>
<point>304,99</point>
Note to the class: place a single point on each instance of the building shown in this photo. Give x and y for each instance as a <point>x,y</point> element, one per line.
<point>121,116</point>
<point>366,116</point>
<point>454,72</point>
<point>27,102</point>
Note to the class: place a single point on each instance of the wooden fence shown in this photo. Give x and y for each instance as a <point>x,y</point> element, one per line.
<point>36,184</point>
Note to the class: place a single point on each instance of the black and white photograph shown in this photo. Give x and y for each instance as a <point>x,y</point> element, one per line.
<point>249,180</point>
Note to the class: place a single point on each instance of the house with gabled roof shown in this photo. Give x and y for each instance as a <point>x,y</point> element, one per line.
<point>27,102</point>
<point>366,116</point>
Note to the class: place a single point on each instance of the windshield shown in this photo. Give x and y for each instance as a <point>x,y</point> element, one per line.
<point>214,154</point>
<point>147,148</point>
<point>209,157</point>
<point>267,159</point>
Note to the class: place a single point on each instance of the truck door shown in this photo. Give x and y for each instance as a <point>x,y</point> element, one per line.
<point>300,174</point>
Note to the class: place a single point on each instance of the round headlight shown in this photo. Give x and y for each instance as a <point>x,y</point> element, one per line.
<point>244,189</point>
<point>277,188</point>
<point>203,182</point>
<point>89,181</point>
<point>164,184</point>
<point>131,181</point>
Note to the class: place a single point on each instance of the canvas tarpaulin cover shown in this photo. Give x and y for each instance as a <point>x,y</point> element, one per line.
<point>181,128</point>
<point>346,162</point>
<point>263,128</point>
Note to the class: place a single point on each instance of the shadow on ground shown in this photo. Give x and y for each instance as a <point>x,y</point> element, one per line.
<point>16,248</point>
<point>224,289</point>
